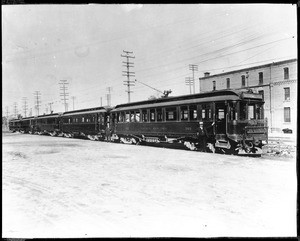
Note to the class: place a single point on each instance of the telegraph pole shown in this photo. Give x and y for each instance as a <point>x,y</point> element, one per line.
<point>50,105</point>
<point>73,98</point>
<point>25,105</point>
<point>128,73</point>
<point>101,101</point>
<point>37,101</point>
<point>194,68</point>
<point>7,112</point>
<point>15,110</point>
<point>108,96</point>
<point>64,94</point>
<point>189,81</point>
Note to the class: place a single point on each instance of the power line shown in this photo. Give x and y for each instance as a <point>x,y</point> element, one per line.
<point>128,73</point>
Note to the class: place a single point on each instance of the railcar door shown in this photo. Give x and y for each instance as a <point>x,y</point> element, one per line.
<point>220,118</point>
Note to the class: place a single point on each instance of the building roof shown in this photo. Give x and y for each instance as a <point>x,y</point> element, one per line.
<point>250,68</point>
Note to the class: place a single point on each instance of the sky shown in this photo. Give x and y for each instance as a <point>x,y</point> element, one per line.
<point>83,44</point>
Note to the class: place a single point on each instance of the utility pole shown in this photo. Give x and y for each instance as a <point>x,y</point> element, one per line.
<point>15,110</point>
<point>64,94</point>
<point>25,105</point>
<point>30,112</point>
<point>101,101</point>
<point>127,73</point>
<point>7,112</point>
<point>37,101</point>
<point>108,96</point>
<point>73,98</point>
<point>194,68</point>
<point>189,81</point>
<point>50,105</point>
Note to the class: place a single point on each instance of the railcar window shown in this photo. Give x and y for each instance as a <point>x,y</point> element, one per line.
<point>260,111</point>
<point>82,119</point>
<point>183,113</point>
<point>193,112</point>
<point>127,117</point>
<point>171,114</point>
<point>122,116</point>
<point>206,112</point>
<point>251,112</point>
<point>243,108</point>
<point>144,116</point>
<point>221,114</point>
<point>132,116</point>
<point>137,116</point>
<point>159,114</point>
<point>152,114</point>
<point>69,120</point>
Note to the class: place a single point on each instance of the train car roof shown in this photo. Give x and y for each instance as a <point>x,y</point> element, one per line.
<point>53,115</point>
<point>87,111</point>
<point>189,99</point>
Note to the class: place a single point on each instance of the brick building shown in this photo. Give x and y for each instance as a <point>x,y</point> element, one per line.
<point>276,81</point>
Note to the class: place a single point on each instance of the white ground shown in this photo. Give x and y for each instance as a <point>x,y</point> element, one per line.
<point>59,187</point>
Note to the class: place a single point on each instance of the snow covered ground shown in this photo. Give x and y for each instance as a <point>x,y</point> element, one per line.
<point>60,187</point>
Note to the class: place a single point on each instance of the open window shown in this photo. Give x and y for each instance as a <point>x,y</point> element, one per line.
<point>184,115</point>
<point>159,116</point>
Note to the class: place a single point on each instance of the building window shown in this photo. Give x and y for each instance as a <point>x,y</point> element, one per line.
<point>286,73</point>
<point>287,114</point>
<point>287,93</point>
<point>228,83</point>
<point>214,85</point>
<point>261,92</point>
<point>260,78</point>
<point>243,81</point>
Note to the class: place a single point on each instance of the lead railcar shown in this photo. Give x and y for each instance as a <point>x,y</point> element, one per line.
<point>233,121</point>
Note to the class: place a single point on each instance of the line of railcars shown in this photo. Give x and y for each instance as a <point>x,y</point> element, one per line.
<point>233,121</point>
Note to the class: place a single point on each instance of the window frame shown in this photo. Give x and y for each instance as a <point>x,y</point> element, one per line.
<point>243,81</point>
<point>261,78</point>
<point>287,97</point>
<point>228,83</point>
<point>287,114</point>
<point>286,74</point>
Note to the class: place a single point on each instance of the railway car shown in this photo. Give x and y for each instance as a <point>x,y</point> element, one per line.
<point>14,125</point>
<point>86,123</point>
<point>45,124</point>
<point>233,121</point>
<point>25,124</point>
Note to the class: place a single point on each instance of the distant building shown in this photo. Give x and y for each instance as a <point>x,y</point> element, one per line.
<point>277,82</point>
